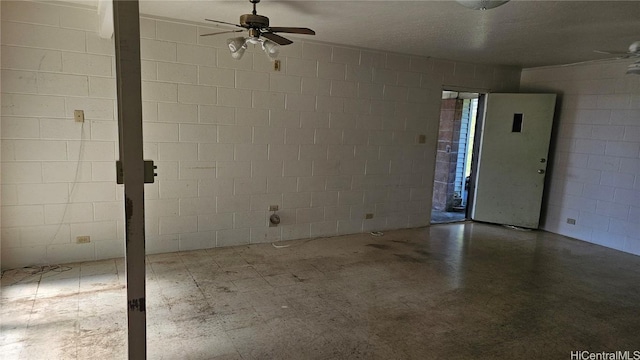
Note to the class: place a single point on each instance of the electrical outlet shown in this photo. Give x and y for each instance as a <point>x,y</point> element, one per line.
<point>277,66</point>
<point>83,239</point>
<point>78,115</point>
<point>571,221</point>
<point>368,216</point>
<point>273,207</point>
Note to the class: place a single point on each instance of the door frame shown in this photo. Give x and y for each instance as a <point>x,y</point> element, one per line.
<point>482,94</point>
<point>475,153</point>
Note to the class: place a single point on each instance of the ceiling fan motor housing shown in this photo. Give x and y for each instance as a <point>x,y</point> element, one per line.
<point>254,21</point>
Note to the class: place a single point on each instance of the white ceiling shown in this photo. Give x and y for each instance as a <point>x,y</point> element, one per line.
<point>522,33</point>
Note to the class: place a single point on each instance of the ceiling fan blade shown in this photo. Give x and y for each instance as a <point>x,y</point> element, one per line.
<point>221,32</point>
<point>223,22</point>
<point>292,30</point>
<point>277,38</point>
<point>611,52</point>
<point>594,61</point>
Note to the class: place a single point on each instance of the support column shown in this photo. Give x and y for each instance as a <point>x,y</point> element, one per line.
<point>126,18</point>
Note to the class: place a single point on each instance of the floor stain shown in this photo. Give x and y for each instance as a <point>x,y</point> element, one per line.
<point>404,242</point>
<point>299,278</point>
<point>97,291</point>
<point>379,246</point>
<point>409,258</point>
<point>422,252</point>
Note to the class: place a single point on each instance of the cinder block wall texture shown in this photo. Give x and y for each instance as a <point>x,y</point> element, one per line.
<point>329,138</point>
<point>595,170</point>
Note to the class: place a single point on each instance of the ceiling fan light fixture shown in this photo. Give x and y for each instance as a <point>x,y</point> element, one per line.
<point>271,49</point>
<point>259,33</point>
<point>238,54</point>
<point>634,68</point>
<point>254,40</point>
<point>237,46</point>
<point>481,4</point>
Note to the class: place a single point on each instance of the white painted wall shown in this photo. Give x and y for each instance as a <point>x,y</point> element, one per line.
<point>595,173</point>
<point>329,138</point>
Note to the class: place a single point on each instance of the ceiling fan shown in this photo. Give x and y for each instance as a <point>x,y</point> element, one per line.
<point>634,52</point>
<point>259,33</point>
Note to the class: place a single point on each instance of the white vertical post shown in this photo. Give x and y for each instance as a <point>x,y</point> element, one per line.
<point>127,41</point>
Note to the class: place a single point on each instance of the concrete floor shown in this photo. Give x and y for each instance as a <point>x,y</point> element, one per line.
<point>460,291</point>
<point>443,217</point>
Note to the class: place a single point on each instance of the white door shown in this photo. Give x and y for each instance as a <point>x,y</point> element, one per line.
<point>512,161</point>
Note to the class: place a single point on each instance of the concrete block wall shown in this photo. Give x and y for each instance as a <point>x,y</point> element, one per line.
<point>329,138</point>
<point>50,67</point>
<point>595,173</point>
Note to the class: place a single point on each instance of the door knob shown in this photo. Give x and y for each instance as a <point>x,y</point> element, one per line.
<point>540,171</point>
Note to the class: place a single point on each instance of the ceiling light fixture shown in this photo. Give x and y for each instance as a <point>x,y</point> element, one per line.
<point>238,45</point>
<point>481,4</point>
<point>271,49</point>
<point>634,68</point>
<point>634,52</point>
<point>259,33</point>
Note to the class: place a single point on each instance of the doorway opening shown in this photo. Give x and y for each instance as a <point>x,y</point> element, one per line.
<point>456,134</point>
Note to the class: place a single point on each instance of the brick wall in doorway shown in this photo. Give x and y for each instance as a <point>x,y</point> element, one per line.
<point>447,155</point>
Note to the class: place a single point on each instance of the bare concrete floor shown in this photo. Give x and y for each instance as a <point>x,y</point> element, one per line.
<point>442,217</point>
<point>460,291</point>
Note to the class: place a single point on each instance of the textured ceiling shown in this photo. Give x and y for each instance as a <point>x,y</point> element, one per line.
<point>523,33</point>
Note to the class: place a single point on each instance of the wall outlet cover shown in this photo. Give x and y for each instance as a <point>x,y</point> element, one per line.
<point>83,239</point>
<point>78,115</point>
